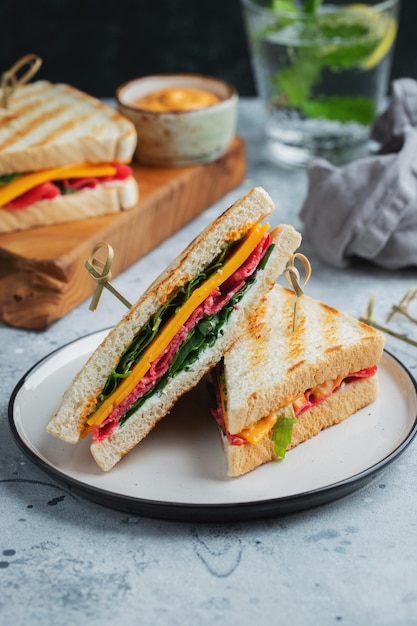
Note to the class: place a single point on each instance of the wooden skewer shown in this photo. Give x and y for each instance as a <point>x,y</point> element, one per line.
<point>102,279</point>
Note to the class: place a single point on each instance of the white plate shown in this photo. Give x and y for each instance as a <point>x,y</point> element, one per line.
<point>178,471</point>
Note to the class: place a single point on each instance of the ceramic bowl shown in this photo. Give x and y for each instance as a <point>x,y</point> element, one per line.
<point>180,137</point>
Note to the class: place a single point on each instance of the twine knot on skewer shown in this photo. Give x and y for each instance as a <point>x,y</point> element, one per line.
<point>293,277</point>
<point>10,79</point>
<point>102,279</point>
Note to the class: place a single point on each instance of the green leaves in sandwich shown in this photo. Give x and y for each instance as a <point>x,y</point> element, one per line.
<point>282,432</point>
<point>204,334</point>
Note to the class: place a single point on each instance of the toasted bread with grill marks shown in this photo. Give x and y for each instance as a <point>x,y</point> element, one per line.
<point>49,125</point>
<point>270,364</point>
<point>82,394</point>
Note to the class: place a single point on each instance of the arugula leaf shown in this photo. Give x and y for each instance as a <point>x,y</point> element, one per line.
<point>282,433</point>
<point>65,191</point>
<point>134,351</point>
<point>203,335</point>
<point>5,179</point>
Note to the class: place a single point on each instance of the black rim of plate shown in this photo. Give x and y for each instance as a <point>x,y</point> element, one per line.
<point>179,511</point>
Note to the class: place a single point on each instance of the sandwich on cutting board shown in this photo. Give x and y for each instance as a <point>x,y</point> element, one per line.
<point>277,387</point>
<point>63,156</point>
<point>176,332</point>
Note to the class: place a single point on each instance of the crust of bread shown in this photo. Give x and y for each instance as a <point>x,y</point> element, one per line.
<point>325,344</point>
<point>101,200</point>
<point>341,405</point>
<point>48,125</point>
<point>80,398</point>
<point>108,452</point>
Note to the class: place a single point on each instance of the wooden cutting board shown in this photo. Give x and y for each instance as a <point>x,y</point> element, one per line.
<point>42,273</point>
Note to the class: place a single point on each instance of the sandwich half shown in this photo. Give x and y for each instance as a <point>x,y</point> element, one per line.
<point>176,332</point>
<point>63,156</point>
<point>276,388</point>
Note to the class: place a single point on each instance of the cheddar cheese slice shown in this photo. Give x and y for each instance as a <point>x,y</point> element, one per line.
<point>256,432</point>
<point>25,182</point>
<point>162,340</point>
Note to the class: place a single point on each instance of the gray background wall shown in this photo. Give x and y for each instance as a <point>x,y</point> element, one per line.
<point>96,45</point>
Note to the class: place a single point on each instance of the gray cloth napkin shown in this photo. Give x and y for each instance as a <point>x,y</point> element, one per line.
<point>368,209</point>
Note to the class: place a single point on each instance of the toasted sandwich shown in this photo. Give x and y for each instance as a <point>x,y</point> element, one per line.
<point>277,387</point>
<point>63,156</point>
<point>176,332</point>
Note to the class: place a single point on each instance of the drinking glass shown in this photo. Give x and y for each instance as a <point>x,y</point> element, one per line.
<point>322,71</point>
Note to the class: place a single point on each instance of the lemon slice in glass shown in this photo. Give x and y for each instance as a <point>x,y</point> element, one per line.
<point>384,28</point>
<point>383,47</point>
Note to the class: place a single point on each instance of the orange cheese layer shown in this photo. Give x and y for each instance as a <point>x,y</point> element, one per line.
<point>254,433</point>
<point>162,340</point>
<point>24,183</point>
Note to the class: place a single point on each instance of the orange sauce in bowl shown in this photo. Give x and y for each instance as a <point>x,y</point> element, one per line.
<point>176,99</point>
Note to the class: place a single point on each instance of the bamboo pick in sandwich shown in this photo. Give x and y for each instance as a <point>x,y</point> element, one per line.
<point>292,275</point>
<point>102,279</point>
<point>10,80</point>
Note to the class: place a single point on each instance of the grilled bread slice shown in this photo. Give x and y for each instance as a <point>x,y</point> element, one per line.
<point>272,367</point>
<point>102,200</point>
<point>54,132</point>
<point>81,398</point>
<point>49,125</point>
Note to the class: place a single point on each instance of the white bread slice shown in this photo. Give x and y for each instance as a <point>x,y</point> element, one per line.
<point>102,200</point>
<point>80,398</point>
<point>270,364</point>
<point>338,407</point>
<point>109,451</point>
<point>49,125</point>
